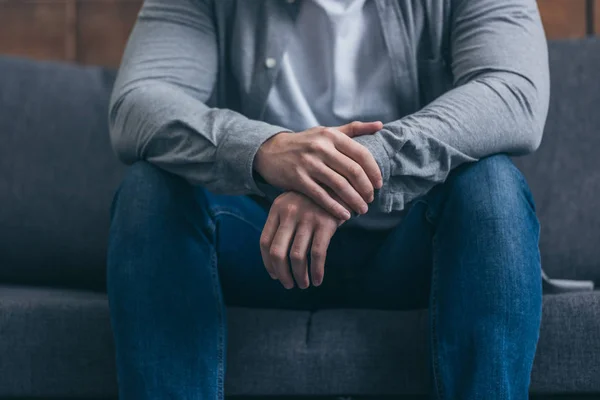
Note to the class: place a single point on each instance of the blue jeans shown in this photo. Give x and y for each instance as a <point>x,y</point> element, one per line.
<point>468,250</point>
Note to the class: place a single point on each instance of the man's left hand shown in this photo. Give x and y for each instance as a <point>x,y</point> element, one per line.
<point>295,222</point>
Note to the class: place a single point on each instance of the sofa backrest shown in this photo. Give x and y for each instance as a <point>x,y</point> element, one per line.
<point>564,173</point>
<point>58,173</point>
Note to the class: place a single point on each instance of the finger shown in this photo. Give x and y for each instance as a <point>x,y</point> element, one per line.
<point>318,253</point>
<point>299,255</point>
<point>363,157</point>
<point>320,196</point>
<point>352,173</point>
<point>358,128</point>
<point>328,176</point>
<point>266,238</point>
<point>280,249</point>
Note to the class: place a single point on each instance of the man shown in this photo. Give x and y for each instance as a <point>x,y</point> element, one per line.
<point>416,204</point>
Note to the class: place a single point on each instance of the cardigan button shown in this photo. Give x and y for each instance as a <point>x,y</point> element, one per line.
<point>270,62</point>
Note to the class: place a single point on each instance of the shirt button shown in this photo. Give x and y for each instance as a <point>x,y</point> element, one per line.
<point>270,62</point>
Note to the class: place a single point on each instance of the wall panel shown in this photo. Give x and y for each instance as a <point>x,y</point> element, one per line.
<point>34,28</point>
<point>102,30</point>
<point>563,18</point>
<point>596,10</point>
<point>95,31</point>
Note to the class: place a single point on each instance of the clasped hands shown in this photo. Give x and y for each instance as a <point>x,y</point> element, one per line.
<point>326,175</point>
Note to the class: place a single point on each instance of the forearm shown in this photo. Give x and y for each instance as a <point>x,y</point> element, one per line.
<point>215,148</point>
<point>498,104</point>
<point>486,116</point>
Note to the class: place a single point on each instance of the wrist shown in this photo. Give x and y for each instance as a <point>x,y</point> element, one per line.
<point>262,155</point>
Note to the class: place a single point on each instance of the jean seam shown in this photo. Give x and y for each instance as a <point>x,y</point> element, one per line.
<point>433,307</point>
<point>433,327</point>
<point>221,325</point>
<point>217,212</point>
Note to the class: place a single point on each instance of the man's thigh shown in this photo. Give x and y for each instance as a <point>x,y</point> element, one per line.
<point>238,224</point>
<point>368,269</point>
<point>384,270</point>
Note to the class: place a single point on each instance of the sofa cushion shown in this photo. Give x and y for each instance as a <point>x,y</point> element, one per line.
<point>57,343</point>
<point>564,174</point>
<point>58,172</point>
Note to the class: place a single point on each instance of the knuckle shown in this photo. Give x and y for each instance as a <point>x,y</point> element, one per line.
<point>354,170</point>
<point>314,216</point>
<point>317,253</point>
<point>362,154</point>
<point>315,195</point>
<point>366,156</point>
<point>291,209</point>
<point>264,243</point>
<point>329,132</point>
<point>277,201</point>
<point>342,188</point>
<point>314,192</point>
<point>276,254</point>
<point>338,183</point>
<point>317,146</point>
<point>317,256</point>
<point>297,255</point>
<point>327,226</point>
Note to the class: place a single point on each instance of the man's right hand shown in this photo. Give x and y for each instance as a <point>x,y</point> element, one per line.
<point>313,160</point>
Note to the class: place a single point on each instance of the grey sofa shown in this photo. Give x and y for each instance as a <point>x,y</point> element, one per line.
<point>57,177</point>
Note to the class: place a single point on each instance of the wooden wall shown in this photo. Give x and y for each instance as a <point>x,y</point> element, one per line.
<point>82,31</point>
<point>95,31</point>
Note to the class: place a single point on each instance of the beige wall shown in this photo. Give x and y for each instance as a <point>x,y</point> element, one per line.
<point>95,31</point>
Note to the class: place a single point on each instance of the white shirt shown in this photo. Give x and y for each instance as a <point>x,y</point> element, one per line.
<point>336,70</point>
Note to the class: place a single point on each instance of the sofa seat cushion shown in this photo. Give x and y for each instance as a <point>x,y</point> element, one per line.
<point>57,343</point>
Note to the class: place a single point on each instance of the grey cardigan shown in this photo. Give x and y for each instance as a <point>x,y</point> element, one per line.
<point>471,77</point>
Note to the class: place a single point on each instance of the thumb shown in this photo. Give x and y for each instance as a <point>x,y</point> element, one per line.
<point>358,128</point>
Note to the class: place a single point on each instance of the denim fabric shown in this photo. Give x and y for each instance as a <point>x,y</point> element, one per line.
<point>468,249</point>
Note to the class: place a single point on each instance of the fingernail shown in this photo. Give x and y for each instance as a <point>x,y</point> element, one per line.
<point>288,287</point>
<point>273,276</point>
<point>317,282</point>
<point>346,215</point>
<point>378,185</point>
<point>364,209</point>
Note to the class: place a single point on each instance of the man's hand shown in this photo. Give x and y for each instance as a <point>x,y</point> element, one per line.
<point>296,223</point>
<point>313,160</point>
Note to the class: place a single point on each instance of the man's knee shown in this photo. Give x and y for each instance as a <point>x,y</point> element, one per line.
<point>489,218</point>
<point>492,188</point>
<point>148,192</point>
